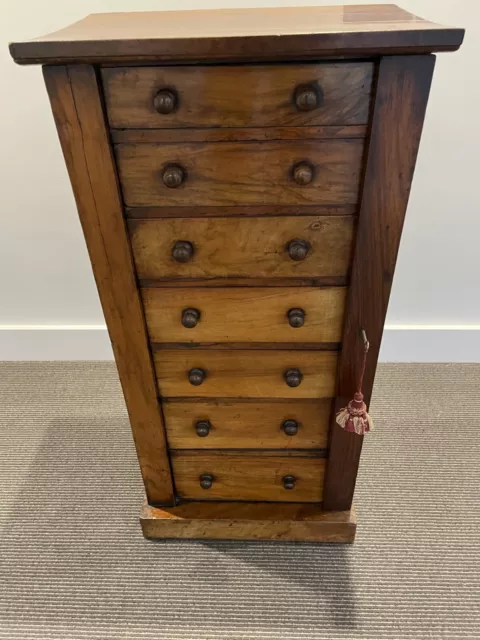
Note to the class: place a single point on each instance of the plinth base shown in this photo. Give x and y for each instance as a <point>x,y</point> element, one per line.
<point>248,521</point>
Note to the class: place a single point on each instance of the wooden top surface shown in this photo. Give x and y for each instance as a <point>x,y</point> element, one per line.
<point>240,34</point>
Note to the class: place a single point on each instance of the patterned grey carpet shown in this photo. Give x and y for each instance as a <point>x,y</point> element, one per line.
<point>74,565</point>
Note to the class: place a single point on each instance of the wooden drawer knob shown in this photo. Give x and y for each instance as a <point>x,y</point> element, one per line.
<point>296,318</point>
<point>206,480</point>
<point>289,482</point>
<point>290,427</point>
<point>173,176</point>
<point>293,377</point>
<point>196,376</point>
<point>302,173</point>
<point>298,249</point>
<point>202,427</point>
<point>306,98</point>
<point>165,101</point>
<point>182,251</point>
<point>190,318</point>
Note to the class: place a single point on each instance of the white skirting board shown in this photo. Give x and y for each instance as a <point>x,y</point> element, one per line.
<point>401,343</point>
<point>431,343</point>
<point>54,342</point>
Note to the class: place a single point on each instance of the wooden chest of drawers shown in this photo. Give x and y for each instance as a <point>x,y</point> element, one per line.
<point>242,179</point>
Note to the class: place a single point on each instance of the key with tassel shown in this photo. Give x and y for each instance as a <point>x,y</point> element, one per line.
<point>354,417</point>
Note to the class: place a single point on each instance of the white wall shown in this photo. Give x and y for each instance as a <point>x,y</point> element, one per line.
<point>45,276</point>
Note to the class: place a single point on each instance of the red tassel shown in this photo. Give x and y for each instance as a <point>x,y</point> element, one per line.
<point>354,416</point>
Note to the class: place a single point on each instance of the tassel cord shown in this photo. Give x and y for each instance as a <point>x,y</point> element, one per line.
<point>362,371</point>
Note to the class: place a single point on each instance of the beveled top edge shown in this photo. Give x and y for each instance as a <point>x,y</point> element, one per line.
<point>224,34</point>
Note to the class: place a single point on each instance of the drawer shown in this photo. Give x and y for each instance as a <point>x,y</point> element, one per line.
<point>253,476</point>
<point>288,172</point>
<point>220,424</point>
<point>238,96</point>
<point>243,247</point>
<point>245,314</point>
<point>245,374</point>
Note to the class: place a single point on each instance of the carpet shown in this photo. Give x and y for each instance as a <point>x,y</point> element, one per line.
<point>74,565</point>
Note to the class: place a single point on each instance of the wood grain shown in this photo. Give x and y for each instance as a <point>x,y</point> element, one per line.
<point>250,374</point>
<point>76,105</point>
<point>250,211</point>
<point>243,247</point>
<point>241,173</point>
<point>249,521</point>
<point>280,33</point>
<point>324,281</point>
<point>245,314</point>
<point>261,346</point>
<point>400,103</point>
<point>238,96</point>
<point>248,476</point>
<point>235,134</point>
<point>247,425</point>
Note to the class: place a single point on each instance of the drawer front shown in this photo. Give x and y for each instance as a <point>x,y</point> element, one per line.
<point>240,173</point>
<point>239,247</point>
<point>238,96</point>
<point>245,374</point>
<point>248,477</point>
<point>245,314</point>
<point>219,424</point>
